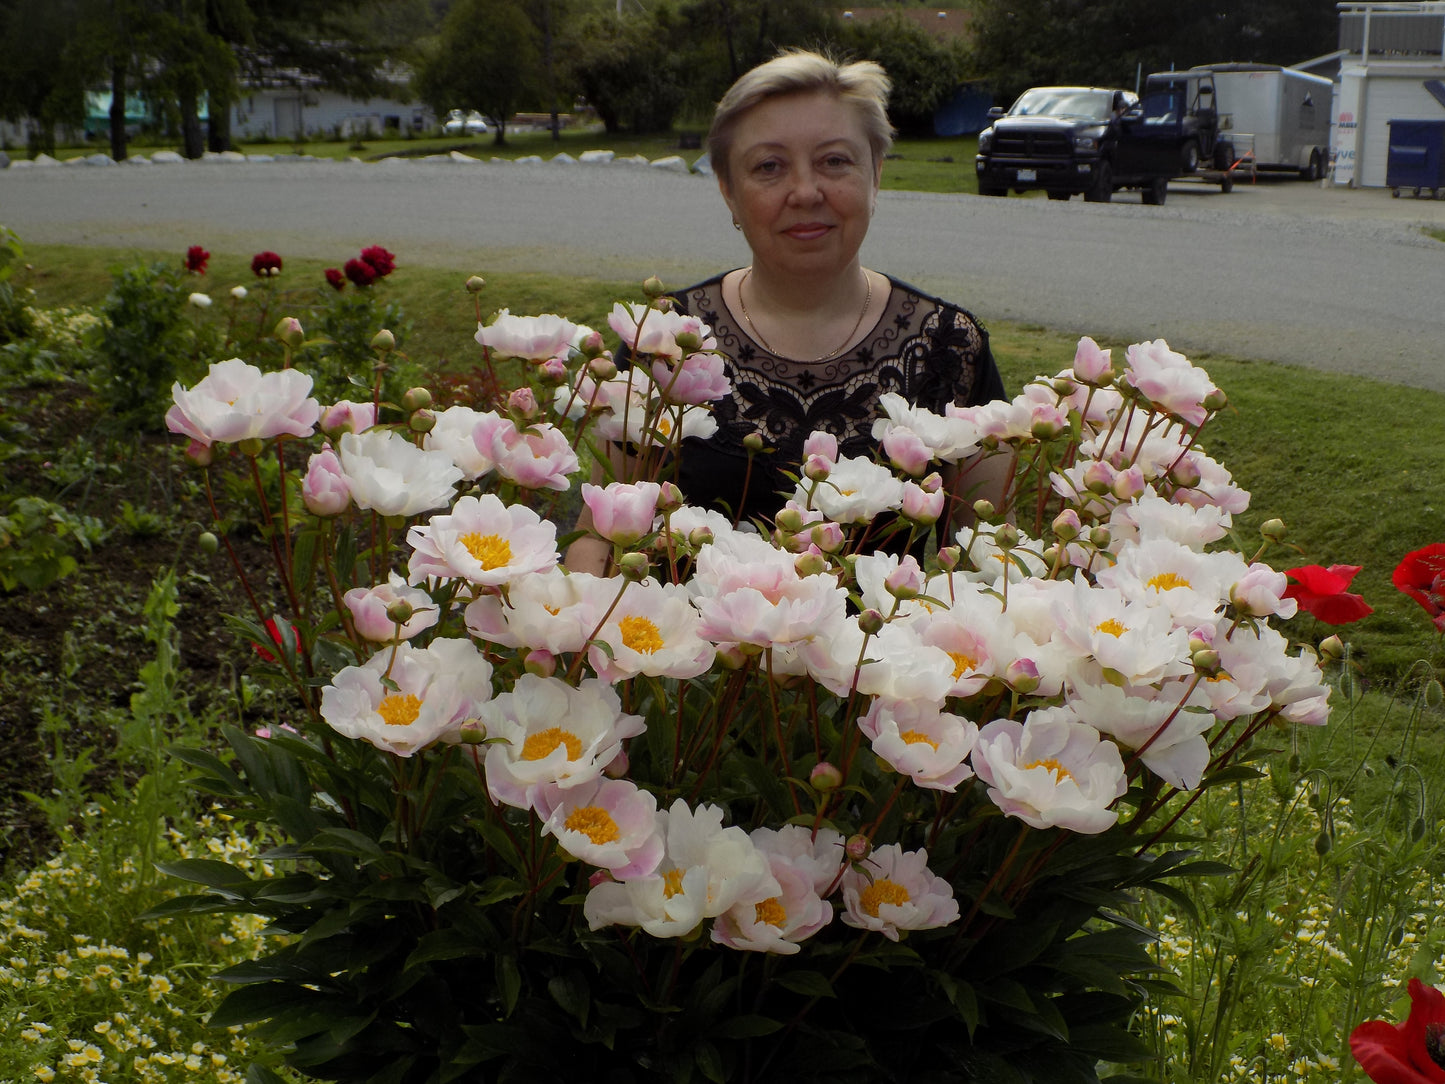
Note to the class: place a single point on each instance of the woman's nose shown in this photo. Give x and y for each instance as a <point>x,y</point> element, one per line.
<point>805,188</point>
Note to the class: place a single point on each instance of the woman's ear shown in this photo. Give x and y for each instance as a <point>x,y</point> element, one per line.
<point>727,195</point>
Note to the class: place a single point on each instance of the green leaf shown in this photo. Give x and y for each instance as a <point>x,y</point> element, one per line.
<point>709,1061</point>
<point>345,841</point>
<point>205,871</point>
<point>807,983</point>
<point>751,1026</point>
<point>263,1001</point>
<point>572,994</point>
<point>509,983</point>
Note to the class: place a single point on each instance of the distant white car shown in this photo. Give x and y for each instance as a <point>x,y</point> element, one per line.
<point>470,123</point>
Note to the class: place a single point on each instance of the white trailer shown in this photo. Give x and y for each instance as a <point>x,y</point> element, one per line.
<point>1280,114</point>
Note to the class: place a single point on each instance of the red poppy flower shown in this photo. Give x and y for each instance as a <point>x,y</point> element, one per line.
<point>196,258</point>
<point>379,260</point>
<point>1421,575</point>
<point>265,264</point>
<point>360,273</point>
<point>1409,1053</point>
<point>290,642</point>
<point>1322,592</point>
<point>336,278</point>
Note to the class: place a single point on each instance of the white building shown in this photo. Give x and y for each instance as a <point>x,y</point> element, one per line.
<point>287,105</point>
<point>1392,67</point>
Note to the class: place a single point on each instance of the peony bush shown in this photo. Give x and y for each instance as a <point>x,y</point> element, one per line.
<point>860,794</point>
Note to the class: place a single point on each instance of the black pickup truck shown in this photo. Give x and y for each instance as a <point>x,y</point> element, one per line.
<point>1095,140</point>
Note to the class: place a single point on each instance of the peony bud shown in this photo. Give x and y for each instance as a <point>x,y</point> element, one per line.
<point>1129,483</point>
<point>554,370</point>
<point>288,330</point>
<point>634,566</point>
<point>198,454</point>
<point>523,401</point>
<point>789,519</point>
<point>208,542</point>
<point>699,537</point>
<point>200,301</point>
<point>816,468</point>
<point>688,342</point>
<point>475,284</point>
<point>1216,400</point>
<point>1185,474</point>
<point>472,732</point>
<point>871,622</point>
<point>1067,526</point>
<point>828,537</point>
<point>423,421</point>
<point>858,848</point>
<point>825,777</point>
<point>251,446</point>
<point>906,581</point>
<point>1099,537</point>
<point>731,656</point>
<point>810,564</point>
<point>416,399</point>
<point>602,368</point>
<point>753,442</point>
<point>1022,676</point>
<point>238,292</point>
<point>652,288</point>
<point>383,342</point>
<point>1006,536</point>
<point>1332,648</point>
<point>325,490</point>
<point>949,556</point>
<point>540,663</point>
<point>592,345</point>
<point>1206,661</point>
<point>984,510</point>
<point>617,767</point>
<point>1273,530</point>
<point>1098,477</point>
<point>669,497</point>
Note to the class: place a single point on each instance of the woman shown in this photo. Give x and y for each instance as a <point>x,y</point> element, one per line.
<point>813,337</point>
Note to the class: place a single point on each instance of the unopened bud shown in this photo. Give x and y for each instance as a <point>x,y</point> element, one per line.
<point>871,622</point>
<point>251,446</point>
<point>1273,530</point>
<point>1099,537</point>
<point>1062,386</point>
<point>617,766</point>
<point>1185,474</point>
<point>1332,648</point>
<point>825,777</point>
<point>1052,554</point>
<point>1294,763</point>
<point>383,342</point>
<point>1067,525</point>
<point>949,556</point>
<point>984,510</point>
<point>810,564</point>
<point>592,345</point>
<point>416,399</point>
<point>288,330</point>
<point>423,421</point>
<point>753,442</point>
<point>1323,844</point>
<point>523,401</point>
<point>1006,537</point>
<point>400,612</point>
<point>1417,829</point>
<point>602,367</point>
<point>688,342</point>
<point>472,732</point>
<point>1206,661</point>
<point>790,520</point>
<point>858,848</point>
<point>699,537</point>
<point>652,287</point>
<point>669,497</point>
<point>1216,400</point>
<point>732,656</point>
<point>208,542</point>
<point>198,454</point>
<point>634,566</point>
<point>475,284</point>
<point>1022,676</point>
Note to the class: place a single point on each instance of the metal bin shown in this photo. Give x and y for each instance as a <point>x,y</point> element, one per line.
<point>1417,156</point>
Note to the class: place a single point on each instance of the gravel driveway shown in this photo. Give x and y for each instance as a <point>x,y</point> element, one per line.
<point>1281,270</point>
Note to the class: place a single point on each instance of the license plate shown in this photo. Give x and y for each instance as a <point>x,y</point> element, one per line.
<point>1028,175</point>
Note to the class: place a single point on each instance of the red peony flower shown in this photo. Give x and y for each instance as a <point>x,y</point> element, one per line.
<point>196,258</point>
<point>379,260</point>
<point>1421,575</point>
<point>336,278</point>
<point>265,264</point>
<point>276,637</point>
<point>360,272</point>
<point>1322,591</point>
<point>1409,1053</point>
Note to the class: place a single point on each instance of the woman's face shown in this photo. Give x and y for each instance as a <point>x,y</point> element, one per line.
<point>802,182</point>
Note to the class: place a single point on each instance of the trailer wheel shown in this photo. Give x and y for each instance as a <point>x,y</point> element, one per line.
<point>1226,183</point>
<point>1314,171</point>
<point>1156,191</point>
<point>987,190</point>
<point>1102,190</point>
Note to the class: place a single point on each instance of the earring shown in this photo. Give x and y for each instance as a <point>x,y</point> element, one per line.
<point>737,225</point>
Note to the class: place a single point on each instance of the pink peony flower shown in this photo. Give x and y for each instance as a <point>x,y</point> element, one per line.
<point>622,512</point>
<point>372,610</point>
<point>894,890</point>
<point>325,490</point>
<point>236,401</point>
<point>538,457</point>
<point>697,379</point>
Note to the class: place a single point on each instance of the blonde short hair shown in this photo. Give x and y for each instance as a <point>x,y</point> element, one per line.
<point>862,84</point>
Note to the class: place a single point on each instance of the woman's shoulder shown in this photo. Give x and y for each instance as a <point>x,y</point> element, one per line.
<point>702,296</point>
<point>924,300</point>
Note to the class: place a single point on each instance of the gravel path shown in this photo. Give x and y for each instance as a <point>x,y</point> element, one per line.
<point>1282,270</point>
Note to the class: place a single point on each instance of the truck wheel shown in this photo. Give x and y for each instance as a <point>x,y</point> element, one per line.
<point>1054,194</point>
<point>1189,157</point>
<point>1102,190</point>
<point>1313,171</point>
<point>985,190</point>
<point>1226,183</point>
<point>1156,191</point>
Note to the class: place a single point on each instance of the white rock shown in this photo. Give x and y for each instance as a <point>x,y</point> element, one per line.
<point>260,158</point>
<point>590,157</point>
<point>703,165</point>
<point>530,160</point>
<point>22,163</point>
<point>98,160</point>
<point>499,161</point>
<point>166,158</point>
<point>465,159</point>
<point>232,156</point>
<point>136,160</point>
<point>393,161</point>
<point>634,160</point>
<point>672,162</point>
<point>45,160</point>
<point>564,159</point>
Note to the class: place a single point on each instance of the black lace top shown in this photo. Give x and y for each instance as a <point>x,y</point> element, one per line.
<point>930,352</point>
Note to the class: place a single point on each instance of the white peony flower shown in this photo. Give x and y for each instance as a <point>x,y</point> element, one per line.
<point>1051,772</point>
<point>235,401</point>
<point>392,476</point>
<point>894,890</point>
<point>483,541</point>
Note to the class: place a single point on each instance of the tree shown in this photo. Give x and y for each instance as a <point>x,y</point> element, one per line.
<point>631,69</point>
<point>43,75</point>
<point>925,70</point>
<point>486,59</point>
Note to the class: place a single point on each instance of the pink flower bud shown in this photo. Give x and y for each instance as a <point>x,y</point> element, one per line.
<point>1098,477</point>
<point>825,777</point>
<point>1067,525</point>
<point>810,564</point>
<point>289,331</point>
<point>622,512</point>
<point>1021,675</point>
<point>601,877</point>
<point>634,566</point>
<point>907,452</point>
<point>540,663</point>
<point>617,766</point>
<point>390,611</point>
<point>858,848</point>
<point>199,454</point>
<point>553,370</point>
<point>347,417</point>
<point>472,732</point>
<point>1129,483</point>
<point>905,581</point>
<point>921,506</point>
<point>1048,422</point>
<point>817,467</point>
<point>731,656</point>
<point>699,537</point>
<point>602,368</point>
<point>949,557</point>
<point>1185,474</point>
<point>1092,366</point>
<point>821,444</point>
<point>828,537</point>
<point>591,345</point>
<point>523,401</point>
<point>325,490</point>
<point>670,497</point>
<point>871,622</point>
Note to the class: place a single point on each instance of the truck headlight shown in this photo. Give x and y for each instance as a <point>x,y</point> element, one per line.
<point>985,141</point>
<point>1086,144</point>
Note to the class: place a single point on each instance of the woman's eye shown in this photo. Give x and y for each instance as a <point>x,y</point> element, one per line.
<point>768,167</point>
<point>837,161</point>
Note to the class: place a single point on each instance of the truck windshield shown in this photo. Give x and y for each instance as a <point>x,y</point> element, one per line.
<point>1062,102</point>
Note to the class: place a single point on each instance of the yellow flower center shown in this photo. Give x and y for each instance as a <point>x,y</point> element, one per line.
<point>880,892</point>
<point>595,823</point>
<point>1060,772</point>
<point>672,882</point>
<point>491,550</point>
<point>664,425</point>
<point>399,709</point>
<point>962,664</point>
<point>1167,581</point>
<point>1114,627</point>
<point>916,737</point>
<point>772,912</point>
<point>640,634</point>
<point>542,743</point>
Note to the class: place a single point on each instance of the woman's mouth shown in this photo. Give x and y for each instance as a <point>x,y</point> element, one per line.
<point>807,231</point>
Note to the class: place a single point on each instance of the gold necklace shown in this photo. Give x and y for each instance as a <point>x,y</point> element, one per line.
<point>743,306</point>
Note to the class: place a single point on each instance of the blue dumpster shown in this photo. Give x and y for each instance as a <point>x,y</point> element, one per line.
<point>1417,156</point>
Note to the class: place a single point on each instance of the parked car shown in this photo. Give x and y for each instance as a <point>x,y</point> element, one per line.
<point>469,123</point>
<point>1060,139</point>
